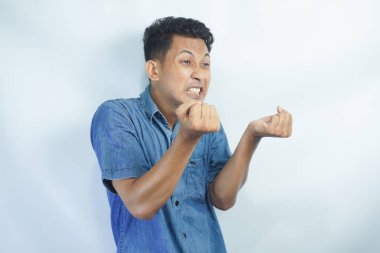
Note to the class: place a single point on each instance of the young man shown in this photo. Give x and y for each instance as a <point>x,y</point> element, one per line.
<point>164,156</point>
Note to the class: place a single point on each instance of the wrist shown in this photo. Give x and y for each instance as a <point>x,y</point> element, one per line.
<point>187,139</point>
<point>251,131</point>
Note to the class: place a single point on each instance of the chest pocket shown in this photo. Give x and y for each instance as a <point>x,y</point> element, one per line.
<point>196,179</point>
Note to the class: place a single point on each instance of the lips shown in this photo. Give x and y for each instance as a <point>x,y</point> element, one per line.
<point>194,90</point>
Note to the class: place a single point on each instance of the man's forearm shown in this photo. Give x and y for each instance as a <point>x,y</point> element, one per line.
<point>224,189</point>
<point>147,194</point>
<point>144,196</point>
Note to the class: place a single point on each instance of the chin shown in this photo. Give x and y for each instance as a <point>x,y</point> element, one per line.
<point>200,100</point>
<point>188,98</point>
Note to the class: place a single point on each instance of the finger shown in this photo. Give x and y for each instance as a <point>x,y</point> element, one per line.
<point>290,127</point>
<point>214,118</point>
<point>281,124</point>
<point>205,116</point>
<point>280,109</point>
<point>289,132</point>
<point>184,109</point>
<point>274,121</point>
<point>205,111</point>
<point>195,111</point>
<point>212,112</point>
<point>285,125</point>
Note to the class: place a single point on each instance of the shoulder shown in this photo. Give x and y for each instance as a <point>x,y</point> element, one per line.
<point>114,112</point>
<point>120,105</point>
<point>114,109</point>
<point>112,116</point>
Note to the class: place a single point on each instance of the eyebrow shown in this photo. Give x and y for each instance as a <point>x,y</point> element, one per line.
<point>189,52</point>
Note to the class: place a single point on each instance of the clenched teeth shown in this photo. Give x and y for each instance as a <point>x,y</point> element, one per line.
<point>194,90</point>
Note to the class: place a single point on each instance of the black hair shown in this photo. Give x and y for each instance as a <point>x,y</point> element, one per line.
<point>158,36</point>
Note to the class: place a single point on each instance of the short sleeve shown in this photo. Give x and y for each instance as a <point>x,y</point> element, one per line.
<point>219,154</point>
<point>116,145</point>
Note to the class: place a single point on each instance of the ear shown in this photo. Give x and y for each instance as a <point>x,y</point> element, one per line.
<point>153,70</point>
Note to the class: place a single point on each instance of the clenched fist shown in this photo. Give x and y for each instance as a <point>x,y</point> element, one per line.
<point>278,125</point>
<point>197,118</point>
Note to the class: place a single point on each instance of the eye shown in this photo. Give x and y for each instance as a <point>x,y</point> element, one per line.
<point>186,62</point>
<point>206,64</point>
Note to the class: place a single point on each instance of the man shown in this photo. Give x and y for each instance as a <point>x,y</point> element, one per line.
<point>164,156</point>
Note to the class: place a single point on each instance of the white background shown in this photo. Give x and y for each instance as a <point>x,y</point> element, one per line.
<point>320,59</point>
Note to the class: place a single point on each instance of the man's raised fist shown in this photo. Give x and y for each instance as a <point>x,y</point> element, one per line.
<point>197,118</point>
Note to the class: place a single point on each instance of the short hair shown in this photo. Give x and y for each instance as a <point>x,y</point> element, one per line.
<point>158,36</point>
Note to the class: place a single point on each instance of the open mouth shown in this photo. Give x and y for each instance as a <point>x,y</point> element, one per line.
<point>194,91</point>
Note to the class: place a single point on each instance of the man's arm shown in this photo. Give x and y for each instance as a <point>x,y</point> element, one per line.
<point>144,196</point>
<point>223,190</point>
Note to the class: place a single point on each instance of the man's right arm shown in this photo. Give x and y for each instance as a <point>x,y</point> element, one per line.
<point>145,195</point>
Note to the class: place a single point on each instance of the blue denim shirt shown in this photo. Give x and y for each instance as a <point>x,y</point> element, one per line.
<point>129,137</point>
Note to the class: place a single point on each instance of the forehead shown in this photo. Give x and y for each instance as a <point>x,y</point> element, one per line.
<point>194,45</point>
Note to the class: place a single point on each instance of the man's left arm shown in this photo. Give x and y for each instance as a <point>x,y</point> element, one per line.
<point>223,190</point>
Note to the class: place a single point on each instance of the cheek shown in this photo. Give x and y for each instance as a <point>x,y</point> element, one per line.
<point>208,81</point>
<point>177,74</point>
<point>184,73</point>
<point>208,77</point>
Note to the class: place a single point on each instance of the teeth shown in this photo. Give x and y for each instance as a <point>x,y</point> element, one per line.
<point>194,90</point>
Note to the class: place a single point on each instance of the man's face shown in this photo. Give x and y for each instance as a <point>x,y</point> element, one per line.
<point>184,73</point>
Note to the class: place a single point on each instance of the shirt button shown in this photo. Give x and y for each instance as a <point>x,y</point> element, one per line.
<point>184,235</point>
<point>192,162</point>
<point>176,203</point>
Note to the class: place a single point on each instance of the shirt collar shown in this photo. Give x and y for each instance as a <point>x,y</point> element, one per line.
<point>147,103</point>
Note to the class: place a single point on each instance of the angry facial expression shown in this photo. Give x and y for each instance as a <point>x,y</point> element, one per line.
<point>183,74</point>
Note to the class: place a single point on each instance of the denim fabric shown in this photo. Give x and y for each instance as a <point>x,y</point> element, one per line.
<point>129,137</point>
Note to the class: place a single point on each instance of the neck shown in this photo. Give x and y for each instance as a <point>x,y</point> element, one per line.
<point>164,108</point>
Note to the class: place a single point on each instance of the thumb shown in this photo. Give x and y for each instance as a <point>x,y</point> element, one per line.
<point>280,109</point>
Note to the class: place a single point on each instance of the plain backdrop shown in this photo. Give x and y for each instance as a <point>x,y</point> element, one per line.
<point>317,191</point>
